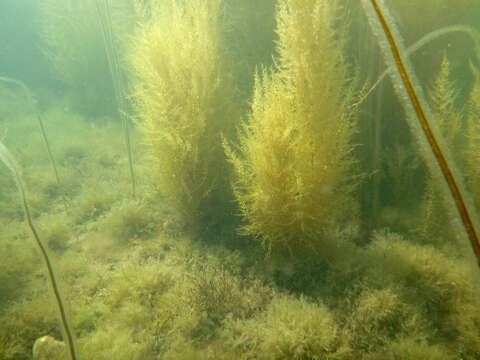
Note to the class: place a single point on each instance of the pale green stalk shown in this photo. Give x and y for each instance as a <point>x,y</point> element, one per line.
<point>8,160</point>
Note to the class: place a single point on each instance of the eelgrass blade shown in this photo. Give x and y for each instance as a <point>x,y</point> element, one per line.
<point>105,22</point>
<point>416,108</point>
<point>8,160</point>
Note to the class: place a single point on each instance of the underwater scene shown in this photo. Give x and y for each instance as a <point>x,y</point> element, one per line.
<point>239,179</point>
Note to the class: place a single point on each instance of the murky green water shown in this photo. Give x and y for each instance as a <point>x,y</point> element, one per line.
<point>240,179</point>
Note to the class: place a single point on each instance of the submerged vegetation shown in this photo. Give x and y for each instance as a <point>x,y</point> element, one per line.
<point>182,96</point>
<point>247,244</point>
<point>296,151</point>
<point>74,44</point>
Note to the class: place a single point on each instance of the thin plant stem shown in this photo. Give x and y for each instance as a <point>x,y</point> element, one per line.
<point>474,35</point>
<point>31,100</point>
<point>406,85</point>
<point>105,22</point>
<point>8,160</point>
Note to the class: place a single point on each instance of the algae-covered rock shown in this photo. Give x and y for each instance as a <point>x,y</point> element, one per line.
<point>48,348</point>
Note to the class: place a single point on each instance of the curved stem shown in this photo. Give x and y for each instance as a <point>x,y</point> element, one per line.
<point>31,100</point>
<point>474,35</point>
<point>405,86</point>
<point>8,160</point>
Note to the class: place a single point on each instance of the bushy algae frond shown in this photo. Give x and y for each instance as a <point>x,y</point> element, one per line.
<point>448,118</point>
<point>8,160</point>
<point>294,168</point>
<point>181,99</point>
<point>473,160</point>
